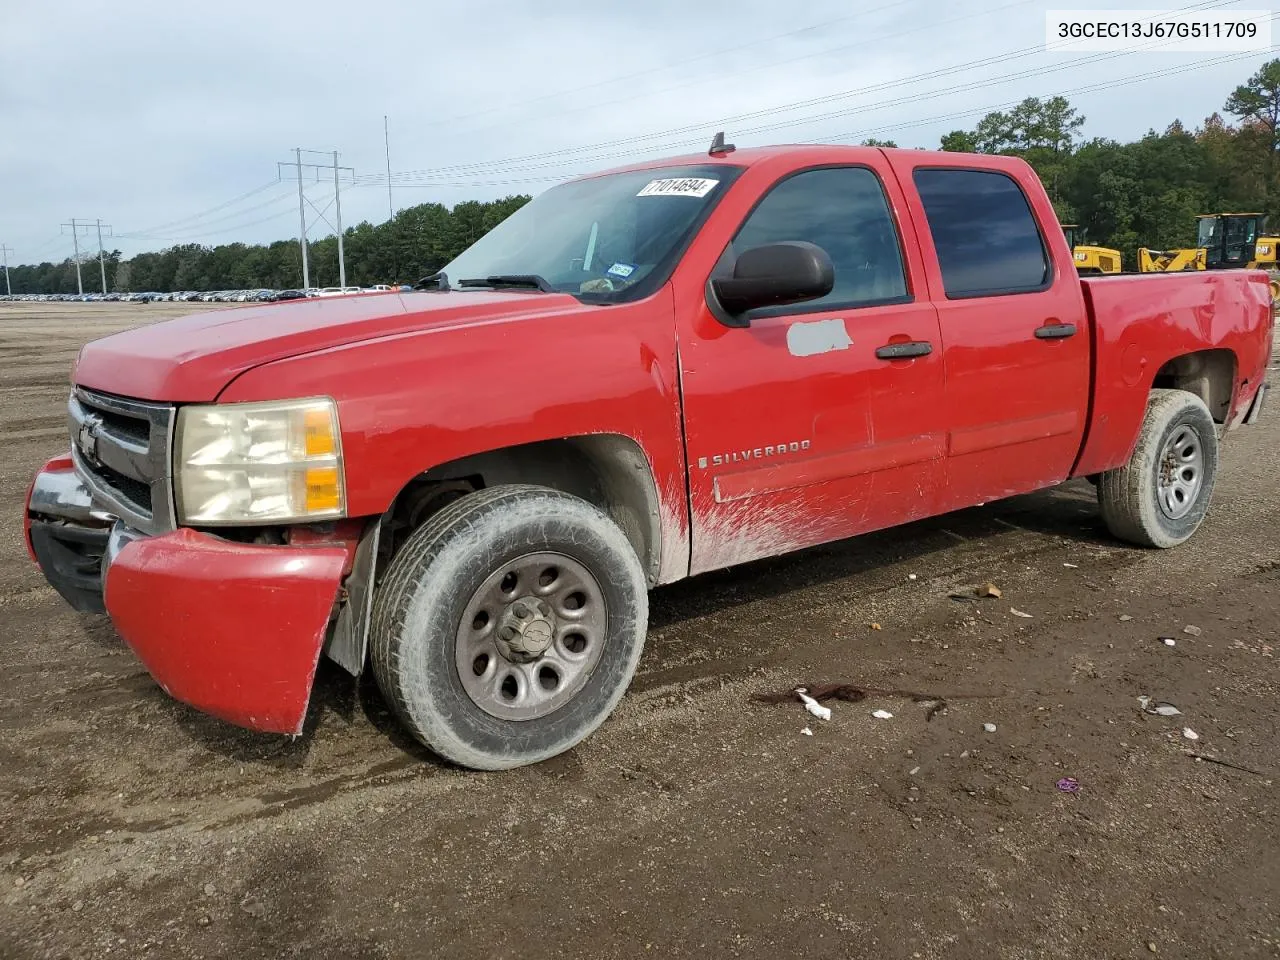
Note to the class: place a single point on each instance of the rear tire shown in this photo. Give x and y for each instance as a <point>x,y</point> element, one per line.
<point>1161,496</point>
<point>509,626</point>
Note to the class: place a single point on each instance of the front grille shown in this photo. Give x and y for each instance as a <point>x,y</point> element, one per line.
<point>121,450</point>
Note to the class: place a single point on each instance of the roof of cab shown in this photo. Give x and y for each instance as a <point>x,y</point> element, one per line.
<point>806,152</point>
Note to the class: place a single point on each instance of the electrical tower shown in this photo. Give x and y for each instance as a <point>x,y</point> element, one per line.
<point>81,224</point>
<point>5,250</point>
<point>294,167</point>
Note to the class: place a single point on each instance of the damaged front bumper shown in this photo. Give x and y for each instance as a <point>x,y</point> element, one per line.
<point>233,629</point>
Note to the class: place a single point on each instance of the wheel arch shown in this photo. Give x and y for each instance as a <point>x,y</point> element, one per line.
<point>608,470</point>
<point>1209,374</point>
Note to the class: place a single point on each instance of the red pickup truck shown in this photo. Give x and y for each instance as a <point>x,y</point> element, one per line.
<point>640,376</point>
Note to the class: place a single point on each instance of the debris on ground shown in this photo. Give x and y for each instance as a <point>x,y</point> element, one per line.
<point>816,691</point>
<point>1190,734</point>
<point>807,732</point>
<point>911,576</point>
<point>1069,785</point>
<point>1125,618</point>
<point>876,626</point>
<point>1159,708</point>
<point>813,706</point>
<point>1072,566</point>
<point>882,714</point>
<point>1227,763</point>
<point>1169,641</point>
<point>1021,613</point>
<point>987,590</point>
<point>1191,630</point>
<point>989,727</point>
<point>913,771</point>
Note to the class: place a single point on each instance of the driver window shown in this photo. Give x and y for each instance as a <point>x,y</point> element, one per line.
<point>844,211</point>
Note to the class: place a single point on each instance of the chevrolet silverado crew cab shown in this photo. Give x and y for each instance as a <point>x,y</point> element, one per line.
<point>639,376</point>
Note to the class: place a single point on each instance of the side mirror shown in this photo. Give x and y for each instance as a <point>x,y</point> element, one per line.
<point>772,275</point>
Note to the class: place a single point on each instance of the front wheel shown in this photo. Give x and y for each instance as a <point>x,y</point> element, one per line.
<point>509,626</point>
<point>1160,497</point>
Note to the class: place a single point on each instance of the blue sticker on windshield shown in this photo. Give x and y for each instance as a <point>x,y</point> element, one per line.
<point>622,270</point>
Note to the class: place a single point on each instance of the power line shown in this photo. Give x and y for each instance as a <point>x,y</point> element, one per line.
<point>614,153</point>
<point>199,229</point>
<point>527,162</point>
<point>204,213</point>
<point>212,233</point>
<point>709,55</point>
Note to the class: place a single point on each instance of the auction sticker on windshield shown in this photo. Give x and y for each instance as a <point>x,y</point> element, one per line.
<point>678,187</point>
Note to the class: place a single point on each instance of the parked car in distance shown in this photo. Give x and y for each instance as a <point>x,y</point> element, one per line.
<point>787,346</point>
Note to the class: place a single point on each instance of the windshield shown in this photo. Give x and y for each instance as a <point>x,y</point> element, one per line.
<point>1207,232</point>
<point>614,237</point>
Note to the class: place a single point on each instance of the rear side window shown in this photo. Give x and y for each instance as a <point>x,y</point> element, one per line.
<point>844,211</point>
<point>985,234</point>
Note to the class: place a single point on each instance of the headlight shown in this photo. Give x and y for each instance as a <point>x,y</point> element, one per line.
<point>249,463</point>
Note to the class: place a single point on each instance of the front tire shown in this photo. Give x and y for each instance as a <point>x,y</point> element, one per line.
<point>1160,497</point>
<point>509,626</point>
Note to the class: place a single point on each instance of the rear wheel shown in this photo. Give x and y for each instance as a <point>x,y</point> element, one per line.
<point>509,626</point>
<point>1160,497</point>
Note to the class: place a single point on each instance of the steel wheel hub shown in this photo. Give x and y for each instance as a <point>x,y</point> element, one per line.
<point>530,636</point>
<point>1181,472</point>
<point>525,630</point>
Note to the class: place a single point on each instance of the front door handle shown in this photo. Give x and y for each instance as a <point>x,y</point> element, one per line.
<point>1055,331</point>
<point>904,351</point>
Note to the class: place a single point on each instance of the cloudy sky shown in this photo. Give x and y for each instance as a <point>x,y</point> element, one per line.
<point>166,119</point>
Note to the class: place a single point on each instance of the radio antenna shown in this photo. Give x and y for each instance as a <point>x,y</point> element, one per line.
<point>718,147</point>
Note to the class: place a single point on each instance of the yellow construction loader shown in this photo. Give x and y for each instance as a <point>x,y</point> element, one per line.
<point>1090,259</point>
<point>1223,241</point>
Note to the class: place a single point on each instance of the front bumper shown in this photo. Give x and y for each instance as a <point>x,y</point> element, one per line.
<point>232,629</point>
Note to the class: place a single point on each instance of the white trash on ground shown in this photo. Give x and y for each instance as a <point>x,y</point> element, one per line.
<point>882,714</point>
<point>1159,707</point>
<point>814,707</point>
<point>1190,734</point>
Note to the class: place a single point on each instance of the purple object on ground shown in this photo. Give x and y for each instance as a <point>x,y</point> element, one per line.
<point>1069,785</point>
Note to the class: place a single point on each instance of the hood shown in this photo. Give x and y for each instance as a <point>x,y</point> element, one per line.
<point>193,358</point>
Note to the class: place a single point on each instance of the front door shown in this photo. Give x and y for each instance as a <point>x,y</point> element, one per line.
<point>823,419</point>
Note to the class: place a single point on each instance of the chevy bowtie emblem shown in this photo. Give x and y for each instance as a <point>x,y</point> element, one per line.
<point>87,438</point>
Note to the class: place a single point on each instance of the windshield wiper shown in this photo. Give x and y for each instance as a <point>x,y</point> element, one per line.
<point>436,281</point>
<point>524,281</point>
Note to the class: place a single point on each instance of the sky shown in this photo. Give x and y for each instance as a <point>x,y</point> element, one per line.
<point>167,119</point>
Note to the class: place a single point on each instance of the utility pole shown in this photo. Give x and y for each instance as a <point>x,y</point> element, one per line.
<point>337,212</point>
<point>102,263</point>
<point>386,137</point>
<point>302,228</point>
<point>76,227</point>
<point>5,250</point>
<point>295,167</point>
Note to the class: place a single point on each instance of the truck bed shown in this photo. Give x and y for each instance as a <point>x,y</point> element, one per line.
<point>1140,322</point>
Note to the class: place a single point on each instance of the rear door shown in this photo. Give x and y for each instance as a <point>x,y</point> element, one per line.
<point>1016,341</point>
<point>802,427</point>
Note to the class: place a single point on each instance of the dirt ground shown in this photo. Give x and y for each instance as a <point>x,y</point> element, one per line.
<point>695,823</point>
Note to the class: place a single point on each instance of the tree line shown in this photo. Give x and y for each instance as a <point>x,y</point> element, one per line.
<point>1143,193</point>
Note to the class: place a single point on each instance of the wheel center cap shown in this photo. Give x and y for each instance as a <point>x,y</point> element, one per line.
<point>526,629</point>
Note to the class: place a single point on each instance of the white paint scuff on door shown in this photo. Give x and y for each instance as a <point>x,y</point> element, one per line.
<point>818,336</point>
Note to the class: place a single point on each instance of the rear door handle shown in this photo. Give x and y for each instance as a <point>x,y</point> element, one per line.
<point>904,351</point>
<point>1055,331</point>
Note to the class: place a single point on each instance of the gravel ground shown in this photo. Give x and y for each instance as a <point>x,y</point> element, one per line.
<point>696,822</point>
